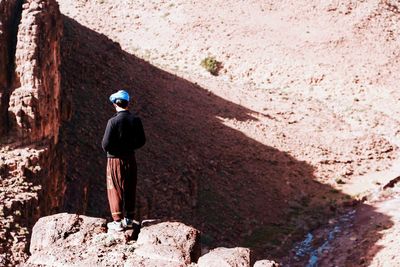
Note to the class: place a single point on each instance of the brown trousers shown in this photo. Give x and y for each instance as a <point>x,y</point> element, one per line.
<point>121,186</point>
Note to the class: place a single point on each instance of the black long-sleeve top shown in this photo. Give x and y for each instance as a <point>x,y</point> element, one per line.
<point>124,133</point>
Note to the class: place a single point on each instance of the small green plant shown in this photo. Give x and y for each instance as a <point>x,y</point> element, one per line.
<point>211,65</point>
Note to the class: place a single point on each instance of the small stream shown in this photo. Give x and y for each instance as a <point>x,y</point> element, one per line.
<point>310,251</point>
<point>318,242</point>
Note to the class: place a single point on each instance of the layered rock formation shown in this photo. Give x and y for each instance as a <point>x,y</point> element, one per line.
<point>34,101</point>
<point>31,166</point>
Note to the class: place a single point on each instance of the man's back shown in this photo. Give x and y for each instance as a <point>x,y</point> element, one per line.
<point>124,133</point>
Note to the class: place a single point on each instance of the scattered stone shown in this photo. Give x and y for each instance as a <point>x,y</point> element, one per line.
<point>226,257</point>
<point>176,235</point>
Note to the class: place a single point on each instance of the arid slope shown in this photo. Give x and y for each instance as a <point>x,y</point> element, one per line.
<point>303,111</point>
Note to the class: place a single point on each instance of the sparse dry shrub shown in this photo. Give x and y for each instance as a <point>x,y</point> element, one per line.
<point>211,65</point>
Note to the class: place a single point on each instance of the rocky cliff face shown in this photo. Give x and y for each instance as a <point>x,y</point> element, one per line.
<point>34,96</point>
<point>31,166</point>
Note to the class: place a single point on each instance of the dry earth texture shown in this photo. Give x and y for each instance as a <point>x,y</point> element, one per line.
<point>297,124</point>
<point>300,121</point>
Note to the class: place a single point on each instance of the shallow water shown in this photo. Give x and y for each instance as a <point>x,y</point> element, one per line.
<point>309,252</point>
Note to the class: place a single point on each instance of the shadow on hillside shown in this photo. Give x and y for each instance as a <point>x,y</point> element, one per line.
<point>194,169</point>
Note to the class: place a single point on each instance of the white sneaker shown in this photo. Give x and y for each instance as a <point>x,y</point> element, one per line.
<point>129,223</point>
<point>115,226</point>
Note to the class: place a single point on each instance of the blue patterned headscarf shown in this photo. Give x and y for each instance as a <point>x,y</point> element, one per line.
<point>121,94</point>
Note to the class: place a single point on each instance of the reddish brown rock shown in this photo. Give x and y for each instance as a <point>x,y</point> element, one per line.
<point>70,229</point>
<point>226,257</point>
<point>34,105</point>
<point>32,172</point>
<point>172,241</point>
<point>69,239</point>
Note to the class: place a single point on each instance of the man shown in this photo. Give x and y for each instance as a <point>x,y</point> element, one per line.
<point>123,135</point>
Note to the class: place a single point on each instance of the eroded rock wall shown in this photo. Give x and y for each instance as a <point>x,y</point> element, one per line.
<point>32,169</point>
<point>34,105</point>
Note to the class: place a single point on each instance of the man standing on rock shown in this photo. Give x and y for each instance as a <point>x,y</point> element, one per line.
<point>123,135</point>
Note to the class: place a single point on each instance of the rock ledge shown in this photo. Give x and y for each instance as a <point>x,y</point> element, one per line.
<point>75,240</point>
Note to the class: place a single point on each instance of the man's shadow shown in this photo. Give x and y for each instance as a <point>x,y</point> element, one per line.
<point>193,168</point>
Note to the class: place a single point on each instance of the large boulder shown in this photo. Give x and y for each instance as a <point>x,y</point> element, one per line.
<point>76,240</point>
<point>64,230</point>
<point>226,257</point>
<point>173,241</point>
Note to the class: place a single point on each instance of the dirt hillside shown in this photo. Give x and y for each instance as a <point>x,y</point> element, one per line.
<point>300,121</point>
